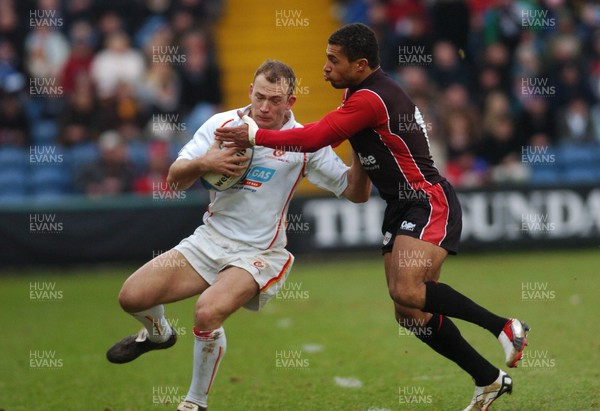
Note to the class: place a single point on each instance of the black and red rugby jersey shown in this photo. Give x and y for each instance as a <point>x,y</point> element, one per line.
<point>386,131</point>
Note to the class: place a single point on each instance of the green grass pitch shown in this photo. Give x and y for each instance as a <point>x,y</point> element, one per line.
<point>334,319</point>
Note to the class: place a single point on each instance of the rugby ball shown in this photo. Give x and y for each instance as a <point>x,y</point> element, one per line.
<point>223,181</point>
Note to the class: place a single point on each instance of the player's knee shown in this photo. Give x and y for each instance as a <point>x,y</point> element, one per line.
<point>403,294</point>
<point>207,317</point>
<point>130,300</point>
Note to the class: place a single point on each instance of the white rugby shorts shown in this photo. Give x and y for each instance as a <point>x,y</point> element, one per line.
<point>210,253</point>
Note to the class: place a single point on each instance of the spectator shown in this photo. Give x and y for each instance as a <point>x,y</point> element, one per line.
<point>501,151</point>
<point>454,29</point>
<point>124,113</point>
<point>112,173</point>
<point>498,142</point>
<point>503,23</point>
<point>447,68</point>
<point>593,65</point>
<point>79,62</point>
<point>400,14</point>
<point>8,63</point>
<point>466,170</point>
<point>10,29</point>
<point>459,132</point>
<point>162,89</point>
<point>510,171</point>
<point>79,119</point>
<point>200,79</point>
<point>415,82</point>
<point>456,96</point>
<point>159,162</point>
<point>537,118</point>
<point>46,52</point>
<point>496,56</point>
<point>571,85</point>
<point>575,122</point>
<point>13,122</point>
<point>117,64</point>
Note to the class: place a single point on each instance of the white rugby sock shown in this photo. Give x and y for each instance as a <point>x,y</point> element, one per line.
<point>155,322</point>
<point>209,349</point>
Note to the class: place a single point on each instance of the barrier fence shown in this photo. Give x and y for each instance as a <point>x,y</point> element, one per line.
<point>136,229</point>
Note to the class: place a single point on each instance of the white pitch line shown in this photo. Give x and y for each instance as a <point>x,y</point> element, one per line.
<point>348,382</point>
<point>310,348</point>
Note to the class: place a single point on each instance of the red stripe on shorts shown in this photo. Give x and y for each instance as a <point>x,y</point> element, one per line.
<point>435,229</point>
<point>275,279</point>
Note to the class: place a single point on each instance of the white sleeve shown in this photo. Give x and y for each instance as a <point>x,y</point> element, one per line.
<point>200,143</point>
<point>326,170</point>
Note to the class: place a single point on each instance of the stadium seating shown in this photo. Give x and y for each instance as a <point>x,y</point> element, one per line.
<point>44,132</point>
<point>82,154</point>
<point>49,179</point>
<point>13,158</point>
<point>13,184</point>
<point>544,175</point>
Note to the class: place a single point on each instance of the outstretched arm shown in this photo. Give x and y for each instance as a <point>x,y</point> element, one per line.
<point>356,114</point>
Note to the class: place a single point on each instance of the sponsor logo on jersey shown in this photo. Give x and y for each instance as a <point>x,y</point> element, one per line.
<point>259,263</point>
<point>258,175</point>
<point>368,162</point>
<point>407,225</point>
<point>387,237</point>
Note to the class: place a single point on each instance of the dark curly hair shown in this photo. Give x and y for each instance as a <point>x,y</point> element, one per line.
<point>357,41</point>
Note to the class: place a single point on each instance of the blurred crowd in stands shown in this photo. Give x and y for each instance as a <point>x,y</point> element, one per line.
<point>509,89</point>
<point>97,96</point>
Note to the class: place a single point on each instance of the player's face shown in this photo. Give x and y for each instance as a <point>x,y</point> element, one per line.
<point>270,102</point>
<point>340,72</point>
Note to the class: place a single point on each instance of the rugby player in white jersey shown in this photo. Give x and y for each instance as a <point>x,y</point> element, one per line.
<point>231,260</point>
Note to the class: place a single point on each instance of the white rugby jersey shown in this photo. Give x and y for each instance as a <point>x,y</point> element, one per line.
<point>254,210</point>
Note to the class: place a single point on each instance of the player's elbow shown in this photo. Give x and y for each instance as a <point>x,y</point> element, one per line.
<point>363,198</point>
<point>357,196</point>
<point>175,182</point>
<point>360,198</point>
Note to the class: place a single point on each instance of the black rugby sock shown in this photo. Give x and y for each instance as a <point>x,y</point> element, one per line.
<point>443,337</point>
<point>442,299</point>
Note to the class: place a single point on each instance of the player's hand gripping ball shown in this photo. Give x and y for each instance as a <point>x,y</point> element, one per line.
<point>223,181</point>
